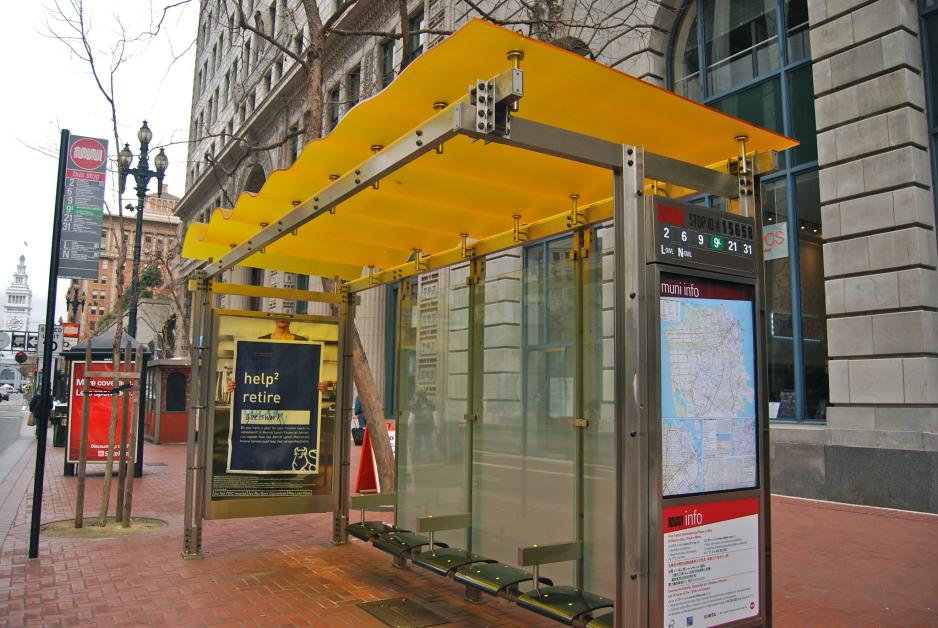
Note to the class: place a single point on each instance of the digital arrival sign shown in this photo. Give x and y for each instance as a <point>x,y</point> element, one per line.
<point>275,407</point>
<point>708,386</point>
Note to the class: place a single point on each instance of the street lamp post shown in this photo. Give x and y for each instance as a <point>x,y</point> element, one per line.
<point>142,175</point>
<point>74,301</point>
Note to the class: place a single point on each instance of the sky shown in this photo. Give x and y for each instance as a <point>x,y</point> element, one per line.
<point>47,88</point>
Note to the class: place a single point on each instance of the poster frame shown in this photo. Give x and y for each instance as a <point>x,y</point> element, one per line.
<point>658,502</point>
<point>230,508</point>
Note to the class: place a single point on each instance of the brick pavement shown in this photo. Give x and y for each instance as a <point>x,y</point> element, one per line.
<point>835,565</point>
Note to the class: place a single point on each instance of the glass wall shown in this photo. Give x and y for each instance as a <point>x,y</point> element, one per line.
<point>752,73</point>
<point>524,455</point>
<point>929,32</point>
<point>433,379</point>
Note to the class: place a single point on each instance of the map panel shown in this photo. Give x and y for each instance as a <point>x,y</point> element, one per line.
<point>708,395</point>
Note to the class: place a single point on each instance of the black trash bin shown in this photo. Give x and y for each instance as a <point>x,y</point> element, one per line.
<point>59,425</point>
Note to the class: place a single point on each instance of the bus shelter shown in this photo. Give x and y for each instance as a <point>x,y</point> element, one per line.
<point>578,352</point>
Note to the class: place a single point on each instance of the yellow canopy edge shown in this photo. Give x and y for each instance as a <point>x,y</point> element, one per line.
<point>473,187</point>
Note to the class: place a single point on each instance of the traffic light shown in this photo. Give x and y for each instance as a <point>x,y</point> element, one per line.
<point>21,357</point>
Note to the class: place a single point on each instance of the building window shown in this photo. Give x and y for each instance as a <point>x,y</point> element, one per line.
<point>293,145</point>
<point>256,279</point>
<point>353,86</point>
<point>272,13</point>
<point>298,42</point>
<point>103,280</point>
<point>415,23</point>
<point>333,110</point>
<point>386,58</point>
<point>104,264</point>
<point>302,283</point>
<point>268,82</point>
<point>734,60</point>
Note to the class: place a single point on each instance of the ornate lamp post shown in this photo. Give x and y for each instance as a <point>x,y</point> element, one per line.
<point>74,301</point>
<point>142,175</point>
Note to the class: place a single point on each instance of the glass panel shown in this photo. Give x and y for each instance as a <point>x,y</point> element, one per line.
<point>796,24</point>
<point>431,439</point>
<point>599,401</point>
<point>741,40</point>
<point>686,57</point>
<point>760,104</point>
<point>801,95</point>
<point>523,463</point>
<point>813,312</point>
<point>775,234</point>
<point>931,33</point>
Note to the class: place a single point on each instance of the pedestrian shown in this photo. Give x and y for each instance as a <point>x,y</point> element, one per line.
<point>358,428</point>
<point>34,404</point>
<point>423,423</point>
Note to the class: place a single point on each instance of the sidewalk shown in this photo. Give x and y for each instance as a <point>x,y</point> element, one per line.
<point>834,564</point>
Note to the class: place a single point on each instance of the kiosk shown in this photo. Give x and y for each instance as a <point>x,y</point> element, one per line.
<point>167,402</point>
<point>578,353</point>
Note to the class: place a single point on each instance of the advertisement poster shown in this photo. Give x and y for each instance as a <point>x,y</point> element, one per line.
<point>274,419</point>
<point>99,414</point>
<point>275,407</point>
<point>711,563</point>
<point>708,386</point>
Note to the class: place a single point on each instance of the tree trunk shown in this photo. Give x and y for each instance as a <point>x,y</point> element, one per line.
<point>374,415</point>
<point>371,404</point>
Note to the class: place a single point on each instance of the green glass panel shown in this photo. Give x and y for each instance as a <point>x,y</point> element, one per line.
<point>801,87</point>
<point>796,25</point>
<point>599,452</point>
<point>813,310</point>
<point>741,40</point>
<point>760,104</point>
<point>433,385</point>
<point>524,448</point>
<point>777,256</point>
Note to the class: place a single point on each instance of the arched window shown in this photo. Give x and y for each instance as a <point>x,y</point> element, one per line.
<point>256,179</point>
<point>753,60</point>
<point>176,392</point>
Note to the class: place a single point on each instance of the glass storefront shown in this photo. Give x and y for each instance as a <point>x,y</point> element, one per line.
<point>752,73</point>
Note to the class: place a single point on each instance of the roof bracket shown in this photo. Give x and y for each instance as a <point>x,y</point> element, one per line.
<point>495,99</point>
<point>519,232</point>
<point>465,249</point>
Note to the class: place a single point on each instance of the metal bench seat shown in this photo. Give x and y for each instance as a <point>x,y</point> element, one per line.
<point>445,560</point>
<point>367,530</point>
<point>605,621</point>
<point>492,578</point>
<point>563,603</point>
<point>399,544</point>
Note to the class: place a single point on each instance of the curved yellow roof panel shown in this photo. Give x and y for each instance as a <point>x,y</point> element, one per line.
<point>473,187</point>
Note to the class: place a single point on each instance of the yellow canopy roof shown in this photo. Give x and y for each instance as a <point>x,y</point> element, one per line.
<point>474,187</point>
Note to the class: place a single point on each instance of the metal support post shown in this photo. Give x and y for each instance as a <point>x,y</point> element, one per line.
<point>475,283</point>
<point>192,526</point>
<point>343,419</point>
<point>632,574</point>
<point>578,254</point>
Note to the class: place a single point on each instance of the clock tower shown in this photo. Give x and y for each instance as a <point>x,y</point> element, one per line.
<point>17,303</point>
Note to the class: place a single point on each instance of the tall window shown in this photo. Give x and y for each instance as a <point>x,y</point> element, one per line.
<point>302,283</point>
<point>333,107</point>
<point>386,57</point>
<point>416,39</point>
<point>353,86</point>
<point>752,60</point>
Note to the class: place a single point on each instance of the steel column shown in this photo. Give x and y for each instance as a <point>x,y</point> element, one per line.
<point>198,385</point>
<point>343,419</point>
<point>632,573</point>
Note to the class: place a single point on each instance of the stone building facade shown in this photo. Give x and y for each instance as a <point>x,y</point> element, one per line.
<point>850,251</point>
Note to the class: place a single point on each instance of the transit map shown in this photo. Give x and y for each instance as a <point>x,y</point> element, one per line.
<point>708,386</point>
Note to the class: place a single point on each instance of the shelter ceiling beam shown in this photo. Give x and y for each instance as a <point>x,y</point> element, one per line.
<point>289,294</point>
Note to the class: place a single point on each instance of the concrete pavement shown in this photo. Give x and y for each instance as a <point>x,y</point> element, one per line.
<point>835,565</point>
